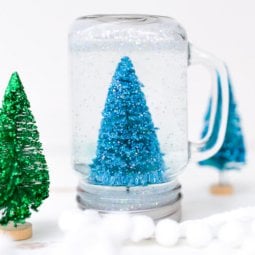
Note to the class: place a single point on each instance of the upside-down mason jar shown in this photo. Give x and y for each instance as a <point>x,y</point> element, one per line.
<point>129,110</point>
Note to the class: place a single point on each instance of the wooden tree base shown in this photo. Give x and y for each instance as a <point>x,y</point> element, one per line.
<point>21,232</point>
<point>222,189</point>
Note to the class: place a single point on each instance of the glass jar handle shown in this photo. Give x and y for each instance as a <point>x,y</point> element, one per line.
<point>213,139</point>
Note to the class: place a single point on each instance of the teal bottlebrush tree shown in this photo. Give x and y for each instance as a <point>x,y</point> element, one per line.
<point>24,179</point>
<point>128,151</point>
<point>232,154</point>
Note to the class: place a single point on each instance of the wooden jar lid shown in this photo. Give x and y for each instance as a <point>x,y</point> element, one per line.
<point>20,232</point>
<point>222,189</point>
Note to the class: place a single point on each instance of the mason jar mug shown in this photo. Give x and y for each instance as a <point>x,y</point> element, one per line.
<point>129,111</point>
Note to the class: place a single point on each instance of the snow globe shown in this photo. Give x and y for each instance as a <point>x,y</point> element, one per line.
<point>129,110</point>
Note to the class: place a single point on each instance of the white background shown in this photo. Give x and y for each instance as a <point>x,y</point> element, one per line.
<point>33,41</point>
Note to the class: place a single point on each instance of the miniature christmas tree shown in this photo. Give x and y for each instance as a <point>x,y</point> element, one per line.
<point>231,155</point>
<point>24,179</point>
<point>128,152</point>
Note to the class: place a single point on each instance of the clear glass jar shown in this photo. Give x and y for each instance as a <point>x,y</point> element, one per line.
<point>129,101</point>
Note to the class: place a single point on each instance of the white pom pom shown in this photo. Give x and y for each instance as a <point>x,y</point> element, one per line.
<point>167,232</point>
<point>232,233</point>
<point>198,234</point>
<point>6,245</point>
<point>119,226</point>
<point>217,248</point>
<point>143,228</point>
<point>249,245</point>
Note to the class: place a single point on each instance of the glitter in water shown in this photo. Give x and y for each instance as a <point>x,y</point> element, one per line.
<point>24,179</point>
<point>128,151</point>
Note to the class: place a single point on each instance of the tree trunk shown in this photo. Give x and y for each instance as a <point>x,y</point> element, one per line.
<point>223,180</point>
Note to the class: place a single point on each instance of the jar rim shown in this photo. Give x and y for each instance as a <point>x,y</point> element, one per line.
<point>134,19</point>
<point>127,17</point>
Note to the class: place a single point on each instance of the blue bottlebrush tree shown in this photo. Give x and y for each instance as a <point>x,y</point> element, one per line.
<point>232,154</point>
<point>128,151</point>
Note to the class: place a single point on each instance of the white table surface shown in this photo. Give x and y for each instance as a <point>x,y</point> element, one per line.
<point>197,203</point>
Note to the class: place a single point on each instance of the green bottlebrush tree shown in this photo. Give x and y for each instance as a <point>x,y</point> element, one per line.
<point>128,151</point>
<point>24,179</point>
